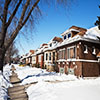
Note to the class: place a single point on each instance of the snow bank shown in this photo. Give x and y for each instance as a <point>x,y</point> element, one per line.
<point>4,82</point>
<point>30,75</point>
<point>72,90</point>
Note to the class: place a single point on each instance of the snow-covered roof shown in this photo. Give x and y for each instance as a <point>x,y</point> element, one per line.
<point>93,33</point>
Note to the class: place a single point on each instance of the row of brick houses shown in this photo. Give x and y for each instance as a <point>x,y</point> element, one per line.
<point>77,52</point>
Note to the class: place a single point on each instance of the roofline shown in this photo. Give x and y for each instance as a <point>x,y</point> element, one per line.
<point>79,39</point>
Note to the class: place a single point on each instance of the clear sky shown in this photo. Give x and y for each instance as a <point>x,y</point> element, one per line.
<point>56,20</point>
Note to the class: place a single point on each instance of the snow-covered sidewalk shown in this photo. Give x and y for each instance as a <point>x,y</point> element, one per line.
<point>4,82</point>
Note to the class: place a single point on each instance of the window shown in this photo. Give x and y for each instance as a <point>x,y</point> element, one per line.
<point>49,56</point>
<point>39,58</point>
<point>71,52</point>
<point>53,56</point>
<point>46,56</point>
<point>69,35</point>
<point>54,42</point>
<point>61,54</point>
<point>50,44</point>
<point>85,49</point>
<point>93,50</point>
<point>74,52</point>
<point>64,37</point>
<point>68,53</point>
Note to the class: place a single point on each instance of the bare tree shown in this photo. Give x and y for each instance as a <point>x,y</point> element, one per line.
<point>11,53</point>
<point>16,14</point>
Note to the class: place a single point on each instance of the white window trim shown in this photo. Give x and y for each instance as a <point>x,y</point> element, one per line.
<point>98,59</point>
<point>94,51</point>
<point>62,49</point>
<point>86,51</point>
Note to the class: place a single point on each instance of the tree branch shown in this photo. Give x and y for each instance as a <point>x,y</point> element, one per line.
<point>1,19</point>
<point>35,4</point>
<point>13,14</point>
<point>20,24</point>
<point>4,19</point>
<point>13,36</point>
<point>24,10</point>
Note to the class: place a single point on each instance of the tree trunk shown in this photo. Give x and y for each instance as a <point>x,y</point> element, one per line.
<point>2,55</point>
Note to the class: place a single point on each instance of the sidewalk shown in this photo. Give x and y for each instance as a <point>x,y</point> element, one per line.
<point>17,92</point>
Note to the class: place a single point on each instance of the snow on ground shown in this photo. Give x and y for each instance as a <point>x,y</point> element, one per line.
<point>72,90</point>
<point>37,74</point>
<point>53,86</point>
<point>4,82</point>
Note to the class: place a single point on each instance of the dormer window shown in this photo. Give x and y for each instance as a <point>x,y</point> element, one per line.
<point>64,37</point>
<point>50,44</point>
<point>54,42</point>
<point>69,35</point>
<point>85,49</point>
<point>93,50</point>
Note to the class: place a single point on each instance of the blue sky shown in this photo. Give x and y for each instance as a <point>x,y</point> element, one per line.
<point>56,20</point>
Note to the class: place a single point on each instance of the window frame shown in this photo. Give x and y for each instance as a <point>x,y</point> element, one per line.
<point>50,56</point>
<point>68,52</point>
<point>93,50</point>
<point>68,35</point>
<point>46,56</point>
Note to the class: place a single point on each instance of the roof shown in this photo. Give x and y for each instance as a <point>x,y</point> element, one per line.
<point>81,33</point>
<point>32,51</point>
<point>44,44</point>
<point>78,28</point>
<point>57,39</point>
<point>75,29</point>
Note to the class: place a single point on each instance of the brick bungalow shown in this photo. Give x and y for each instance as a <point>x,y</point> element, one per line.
<point>77,54</point>
<point>40,56</point>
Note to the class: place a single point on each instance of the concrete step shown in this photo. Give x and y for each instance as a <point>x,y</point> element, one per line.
<point>14,74</point>
<point>18,96</point>
<point>16,93</point>
<point>16,88</point>
<point>20,99</point>
<point>16,84</point>
<point>14,79</point>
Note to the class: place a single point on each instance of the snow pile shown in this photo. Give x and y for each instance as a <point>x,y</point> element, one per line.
<point>30,75</point>
<point>4,82</point>
<point>72,90</point>
<point>49,78</point>
<point>42,91</point>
